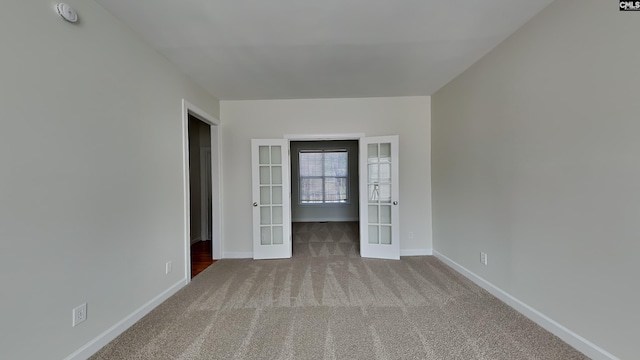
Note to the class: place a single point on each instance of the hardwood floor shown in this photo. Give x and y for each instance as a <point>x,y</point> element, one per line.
<point>200,257</point>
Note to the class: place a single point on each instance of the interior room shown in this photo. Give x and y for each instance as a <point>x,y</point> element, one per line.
<point>324,196</point>
<point>494,205</point>
<point>200,195</point>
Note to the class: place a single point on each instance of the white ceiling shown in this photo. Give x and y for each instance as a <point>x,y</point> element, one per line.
<point>293,49</point>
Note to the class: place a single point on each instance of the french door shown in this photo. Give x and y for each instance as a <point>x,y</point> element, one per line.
<point>271,199</point>
<point>378,188</point>
<point>379,198</point>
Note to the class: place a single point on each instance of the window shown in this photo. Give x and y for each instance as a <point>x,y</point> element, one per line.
<point>324,176</point>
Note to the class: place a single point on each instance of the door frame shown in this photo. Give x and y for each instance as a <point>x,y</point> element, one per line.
<point>324,137</point>
<point>216,178</point>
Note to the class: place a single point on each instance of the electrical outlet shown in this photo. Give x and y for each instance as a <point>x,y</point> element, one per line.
<point>167,267</point>
<point>410,234</point>
<point>483,258</point>
<point>79,314</point>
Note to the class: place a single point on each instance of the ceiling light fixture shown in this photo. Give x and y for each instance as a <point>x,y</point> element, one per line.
<point>66,12</point>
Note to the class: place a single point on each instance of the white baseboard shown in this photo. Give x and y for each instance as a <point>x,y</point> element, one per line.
<point>103,339</point>
<point>237,255</point>
<point>338,219</point>
<point>416,252</point>
<point>403,252</point>
<point>195,240</point>
<point>583,345</point>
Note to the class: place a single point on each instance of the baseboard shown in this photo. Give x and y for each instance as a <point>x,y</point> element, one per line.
<point>103,339</point>
<point>416,252</point>
<point>581,344</point>
<point>403,252</point>
<point>337,219</point>
<point>237,255</point>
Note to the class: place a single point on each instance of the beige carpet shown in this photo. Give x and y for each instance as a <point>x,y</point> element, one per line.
<point>328,303</point>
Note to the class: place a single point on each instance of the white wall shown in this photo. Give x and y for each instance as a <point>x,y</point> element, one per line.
<point>91,191</point>
<point>408,117</point>
<point>535,161</point>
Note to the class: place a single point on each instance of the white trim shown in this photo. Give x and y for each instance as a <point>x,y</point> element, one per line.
<point>300,137</point>
<point>583,345</point>
<point>185,190</point>
<point>238,255</point>
<point>317,137</point>
<point>216,183</point>
<point>200,114</point>
<point>217,243</point>
<point>338,219</point>
<point>103,339</point>
<point>416,252</point>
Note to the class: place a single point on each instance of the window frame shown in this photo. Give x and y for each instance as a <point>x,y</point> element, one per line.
<point>324,177</point>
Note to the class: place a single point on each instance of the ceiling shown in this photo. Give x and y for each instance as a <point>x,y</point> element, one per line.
<point>294,49</point>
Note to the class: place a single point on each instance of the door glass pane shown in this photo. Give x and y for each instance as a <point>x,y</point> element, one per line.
<point>276,195</point>
<point>278,237</point>
<point>373,234</point>
<point>385,235</point>
<point>265,235</point>
<point>372,150</point>
<point>374,193</point>
<point>385,173</point>
<point>265,195</point>
<point>265,215</point>
<point>265,175</point>
<point>277,215</point>
<point>264,154</point>
<point>373,214</point>
<point>276,155</point>
<point>373,172</point>
<point>385,214</point>
<point>276,173</point>
<point>385,150</point>
<point>385,193</point>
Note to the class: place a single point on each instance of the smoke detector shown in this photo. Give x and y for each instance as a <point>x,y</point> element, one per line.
<point>66,12</point>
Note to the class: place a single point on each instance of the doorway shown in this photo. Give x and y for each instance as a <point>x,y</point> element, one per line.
<point>324,197</point>
<point>202,201</point>
<point>378,195</point>
<point>199,180</point>
<point>200,195</point>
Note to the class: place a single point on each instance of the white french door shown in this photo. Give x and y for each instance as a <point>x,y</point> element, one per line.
<point>271,199</point>
<point>379,193</point>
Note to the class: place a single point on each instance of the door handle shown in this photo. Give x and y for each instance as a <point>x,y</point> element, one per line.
<point>395,203</point>
<point>255,204</point>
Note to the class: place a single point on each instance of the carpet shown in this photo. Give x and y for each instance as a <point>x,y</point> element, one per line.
<point>329,303</point>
